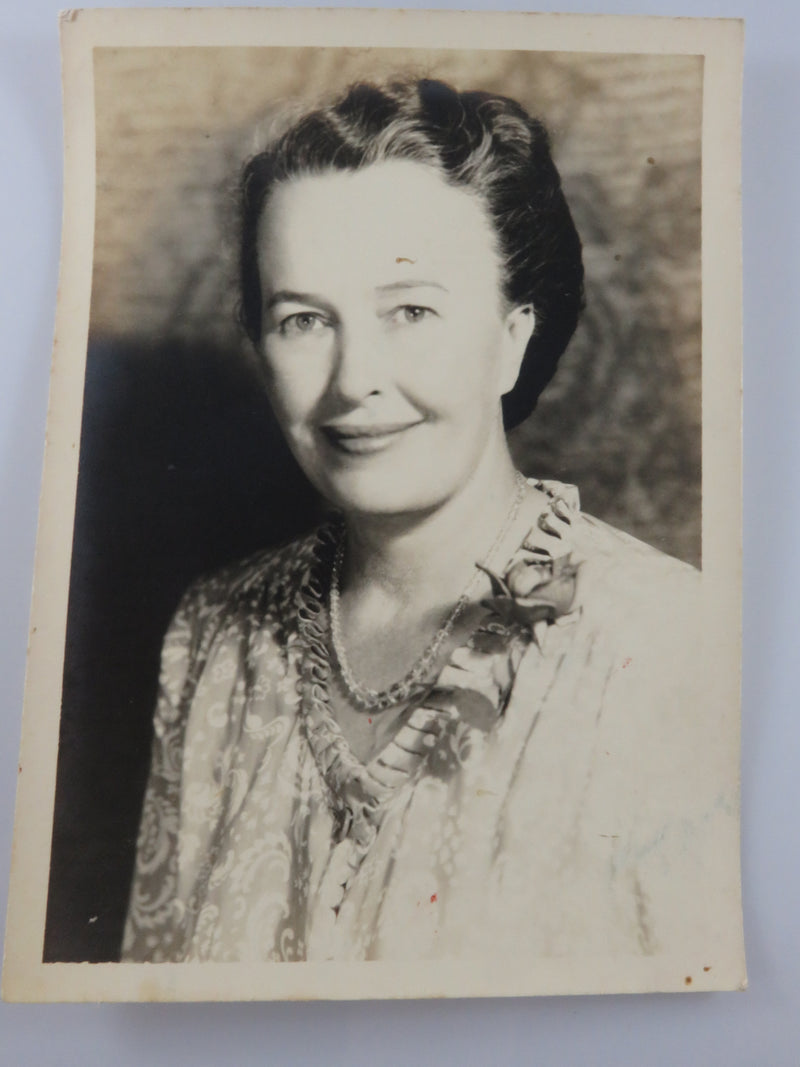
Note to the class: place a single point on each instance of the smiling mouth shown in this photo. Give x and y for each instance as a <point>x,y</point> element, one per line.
<point>365,440</point>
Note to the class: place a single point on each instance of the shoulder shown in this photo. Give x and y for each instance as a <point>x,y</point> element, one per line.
<point>628,618</point>
<point>618,567</point>
<point>245,612</point>
<point>261,588</point>
<point>622,550</point>
<point>642,615</point>
<point>635,656</point>
<point>644,609</point>
<point>267,577</point>
<point>619,582</point>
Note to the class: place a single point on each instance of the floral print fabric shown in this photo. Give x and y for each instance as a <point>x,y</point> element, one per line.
<point>531,802</point>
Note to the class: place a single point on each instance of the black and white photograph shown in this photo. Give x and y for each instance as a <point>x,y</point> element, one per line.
<point>390,615</point>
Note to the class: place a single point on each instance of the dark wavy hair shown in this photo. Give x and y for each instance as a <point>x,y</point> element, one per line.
<point>485,143</point>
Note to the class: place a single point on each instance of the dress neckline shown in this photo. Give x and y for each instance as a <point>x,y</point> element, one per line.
<point>536,588</point>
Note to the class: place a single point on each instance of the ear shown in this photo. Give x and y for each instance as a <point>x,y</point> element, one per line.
<point>517,331</point>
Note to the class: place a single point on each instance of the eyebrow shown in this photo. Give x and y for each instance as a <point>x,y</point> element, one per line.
<point>289,296</point>
<point>412,283</point>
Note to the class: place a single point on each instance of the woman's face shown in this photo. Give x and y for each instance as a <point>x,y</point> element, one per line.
<point>385,337</point>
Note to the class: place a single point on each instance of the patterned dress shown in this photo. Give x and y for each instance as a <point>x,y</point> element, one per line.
<point>546,796</point>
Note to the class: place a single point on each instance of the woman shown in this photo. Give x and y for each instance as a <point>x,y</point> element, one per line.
<point>454,720</point>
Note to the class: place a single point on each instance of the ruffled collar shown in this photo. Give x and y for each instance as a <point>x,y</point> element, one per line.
<point>536,590</point>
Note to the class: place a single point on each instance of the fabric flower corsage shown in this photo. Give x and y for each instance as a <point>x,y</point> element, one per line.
<point>534,590</point>
<point>538,586</point>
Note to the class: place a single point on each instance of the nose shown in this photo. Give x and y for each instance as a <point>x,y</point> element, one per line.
<point>359,369</point>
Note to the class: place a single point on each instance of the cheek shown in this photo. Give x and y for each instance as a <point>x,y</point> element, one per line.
<point>295,389</point>
<point>459,369</point>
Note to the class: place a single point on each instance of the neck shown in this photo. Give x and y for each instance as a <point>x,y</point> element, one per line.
<point>426,558</point>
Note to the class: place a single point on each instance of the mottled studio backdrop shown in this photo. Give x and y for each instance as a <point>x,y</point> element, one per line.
<point>181,466</point>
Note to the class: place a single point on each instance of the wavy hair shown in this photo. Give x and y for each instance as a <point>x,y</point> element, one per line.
<point>478,141</point>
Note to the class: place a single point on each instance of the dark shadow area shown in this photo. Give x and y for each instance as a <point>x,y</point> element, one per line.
<point>182,468</point>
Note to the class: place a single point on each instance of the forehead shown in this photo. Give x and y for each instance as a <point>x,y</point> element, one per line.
<point>388,217</point>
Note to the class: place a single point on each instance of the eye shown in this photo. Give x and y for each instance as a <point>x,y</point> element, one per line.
<point>408,314</point>
<point>302,322</point>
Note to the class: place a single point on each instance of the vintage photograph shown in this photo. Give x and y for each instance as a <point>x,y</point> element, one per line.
<point>400,620</point>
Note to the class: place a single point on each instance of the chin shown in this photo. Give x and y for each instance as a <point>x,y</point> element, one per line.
<point>382,493</point>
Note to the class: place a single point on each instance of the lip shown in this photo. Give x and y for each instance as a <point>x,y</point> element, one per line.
<point>366,439</point>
